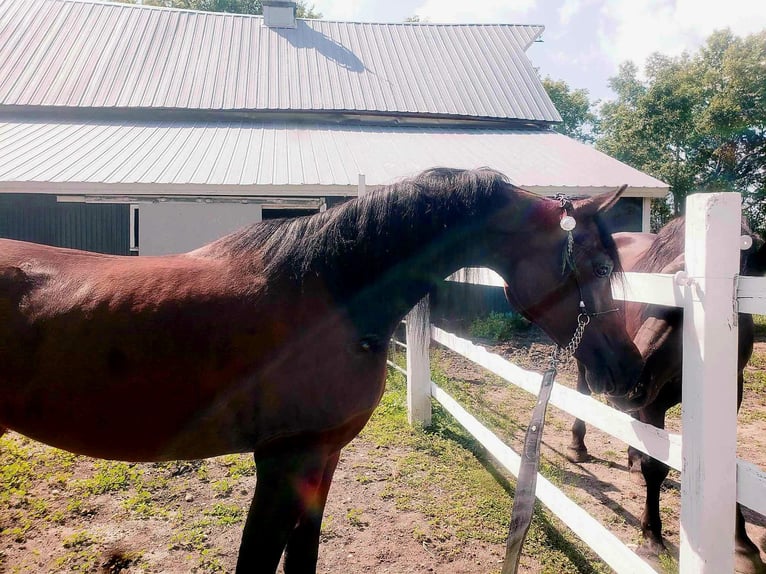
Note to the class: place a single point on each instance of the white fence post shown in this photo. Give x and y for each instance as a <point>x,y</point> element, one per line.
<point>708,481</point>
<point>418,364</point>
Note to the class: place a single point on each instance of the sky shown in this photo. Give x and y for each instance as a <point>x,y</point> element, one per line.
<point>584,40</point>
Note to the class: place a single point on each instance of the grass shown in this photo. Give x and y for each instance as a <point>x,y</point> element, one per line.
<point>45,490</point>
<point>447,476</point>
<point>110,476</point>
<point>498,326</point>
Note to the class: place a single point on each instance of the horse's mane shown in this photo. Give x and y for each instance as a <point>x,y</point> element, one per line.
<point>363,225</point>
<point>668,245</point>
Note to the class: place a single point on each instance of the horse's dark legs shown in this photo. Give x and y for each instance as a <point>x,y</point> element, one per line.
<point>747,557</point>
<point>654,473</point>
<point>288,488</point>
<point>577,451</point>
<point>303,546</point>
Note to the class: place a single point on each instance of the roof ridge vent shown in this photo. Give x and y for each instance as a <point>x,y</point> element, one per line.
<point>279,13</point>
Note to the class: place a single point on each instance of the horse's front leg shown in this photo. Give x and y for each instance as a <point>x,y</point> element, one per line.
<point>287,484</point>
<point>303,545</point>
<point>654,473</point>
<point>577,451</point>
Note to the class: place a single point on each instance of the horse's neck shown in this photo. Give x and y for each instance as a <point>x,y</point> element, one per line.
<point>412,254</point>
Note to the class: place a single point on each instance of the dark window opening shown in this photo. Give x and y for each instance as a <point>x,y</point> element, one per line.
<point>286,213</point>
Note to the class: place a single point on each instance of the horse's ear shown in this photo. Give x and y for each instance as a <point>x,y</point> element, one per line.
<point>601,203</point>
<point>608,200</point>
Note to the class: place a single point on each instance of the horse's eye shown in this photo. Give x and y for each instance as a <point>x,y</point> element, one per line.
<point>603,269</point>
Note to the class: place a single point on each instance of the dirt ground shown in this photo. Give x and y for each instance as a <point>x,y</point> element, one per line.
<point>47,529</point>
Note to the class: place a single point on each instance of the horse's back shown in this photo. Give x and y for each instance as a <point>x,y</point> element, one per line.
<point>205,352</point>
<point>631,246</point>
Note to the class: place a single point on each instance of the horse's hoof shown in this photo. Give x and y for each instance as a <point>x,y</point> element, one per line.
<point>650,548</point>
<point>578,455</point>
<point>748,563</point>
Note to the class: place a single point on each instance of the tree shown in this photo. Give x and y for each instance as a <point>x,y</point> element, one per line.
<point>575,108</point>
<point>698,121</point>
<point>232,6</point>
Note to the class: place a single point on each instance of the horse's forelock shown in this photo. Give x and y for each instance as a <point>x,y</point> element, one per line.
<point>605,234</point>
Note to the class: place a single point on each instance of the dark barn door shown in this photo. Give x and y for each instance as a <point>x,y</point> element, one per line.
<point>100,227</point>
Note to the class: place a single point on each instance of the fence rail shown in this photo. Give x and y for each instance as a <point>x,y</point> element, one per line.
<point>667,446</point>
<point>712,477</point>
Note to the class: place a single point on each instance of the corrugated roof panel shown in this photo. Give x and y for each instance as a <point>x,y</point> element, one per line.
<point>93,54</point>
<point>257,154</point>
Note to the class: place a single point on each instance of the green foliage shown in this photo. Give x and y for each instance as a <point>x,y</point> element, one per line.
<point>232,6</point>
<point>142,505</point>
<point>498,326</point>
<point>697,121</point>
<point>223,487</point>
<point>354,517</point>
<point>577,112</point>
<point>239,465</point>
<point>83,556</point>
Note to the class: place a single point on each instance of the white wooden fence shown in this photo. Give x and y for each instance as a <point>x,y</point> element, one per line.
<point>712,478</point>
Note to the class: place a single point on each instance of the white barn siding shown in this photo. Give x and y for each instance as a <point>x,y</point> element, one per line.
<point>178,227</point>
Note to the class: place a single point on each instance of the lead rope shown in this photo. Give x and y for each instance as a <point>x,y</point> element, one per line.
<point>526,484</point>
<point>524,499</point>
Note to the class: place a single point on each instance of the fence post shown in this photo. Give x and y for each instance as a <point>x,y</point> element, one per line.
<point>708,481</point>
<point>418,364</point>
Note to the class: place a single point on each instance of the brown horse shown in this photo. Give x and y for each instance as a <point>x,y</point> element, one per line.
<point>273,339</point>
<point>657,332</point>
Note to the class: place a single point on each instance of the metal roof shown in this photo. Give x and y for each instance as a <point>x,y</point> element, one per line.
<point>227,158</point>
<point>89,54</point>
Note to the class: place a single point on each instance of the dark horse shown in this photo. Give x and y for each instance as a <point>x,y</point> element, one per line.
<point>273,339</point>
<point>657,332</point>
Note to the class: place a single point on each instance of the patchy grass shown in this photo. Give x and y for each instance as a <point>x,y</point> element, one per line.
<point>110,476</point>
<point>446,475</point>
<point>81,554</point>
<point>499,326</point>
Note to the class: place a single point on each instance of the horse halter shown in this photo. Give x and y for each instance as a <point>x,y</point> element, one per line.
<point>568,223</point>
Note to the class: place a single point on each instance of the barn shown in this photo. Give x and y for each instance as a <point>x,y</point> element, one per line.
<point>132,129</point>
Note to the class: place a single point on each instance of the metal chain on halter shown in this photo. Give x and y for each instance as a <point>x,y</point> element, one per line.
<point>567,351</point>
